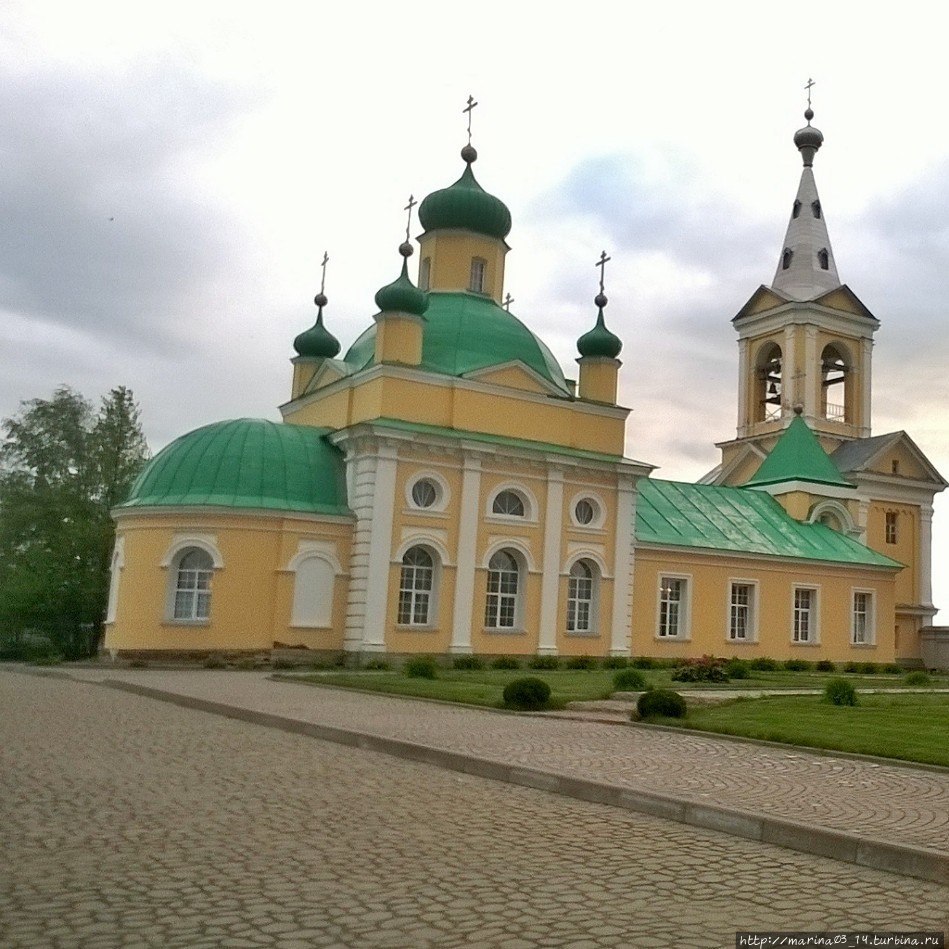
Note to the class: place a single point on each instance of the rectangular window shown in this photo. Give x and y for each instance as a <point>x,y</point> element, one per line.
<point>476,283</point>
<point>425,273</point>
<point>741,612</point>
<point>672,607</point>
<point>891,534</point>
<point>863,619</point>
<point>805,615</point>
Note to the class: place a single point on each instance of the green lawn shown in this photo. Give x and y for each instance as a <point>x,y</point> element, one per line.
<point>914,727</point>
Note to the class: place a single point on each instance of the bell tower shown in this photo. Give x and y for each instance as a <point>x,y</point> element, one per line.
<point>805,341</point>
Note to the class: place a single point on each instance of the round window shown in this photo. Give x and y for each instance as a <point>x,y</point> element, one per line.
<point>424,492</point>
<point>585,512</point>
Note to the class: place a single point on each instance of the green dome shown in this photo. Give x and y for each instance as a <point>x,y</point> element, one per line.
<point>600,341</point>
<point>465,332</point>
<point>317,341</point>
<point>401,296</point>
<point>465,205</point>
<point>246,463</point>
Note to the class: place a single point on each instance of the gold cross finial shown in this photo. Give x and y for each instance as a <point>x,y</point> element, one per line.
<point>601,263</point>
<point>807,86</point>
<point>469,109</point>
<point>508,300</point>
<point>326,260</point>
<point>408,207</point>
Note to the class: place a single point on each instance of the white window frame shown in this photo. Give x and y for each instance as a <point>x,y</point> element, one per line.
<point>180,545</point>
<point>197,587</point>
<point>684,613</point>
<point>425,273</point>
<point>752,610</point>
<point>528,499</point>
<point>599,510</point>
<point>813,613</point>
<point>578,604</point>
<point>477,275</point>
<point>869,617</point>
<point>442,492</point>
<point>891,530</point>
<point>497,602</point>
<point>115,576</point>
<point>418,593</point>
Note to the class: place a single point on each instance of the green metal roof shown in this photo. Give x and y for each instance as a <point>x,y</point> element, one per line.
<point>246,463</point>
<point>736,520</point>
<point>599,341</point>
<point>402,295</point>
<point>798,456</point>
<point>465,204</point>
<point>467,331</point>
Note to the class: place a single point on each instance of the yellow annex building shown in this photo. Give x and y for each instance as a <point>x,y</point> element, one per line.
<point>443,488</point>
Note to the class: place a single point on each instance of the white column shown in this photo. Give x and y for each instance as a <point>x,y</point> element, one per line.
<point>812,395</point>
<point>622,619</point>
<point>465,561</point>
<point>865,380</point>
<point>790,384</point>
<point>925,555</point>
<point>550,579</point>
<point>745,411</point>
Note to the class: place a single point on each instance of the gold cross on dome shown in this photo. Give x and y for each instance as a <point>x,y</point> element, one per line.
<point>408,207</point>
<point>601,263</point>
<point>807,86</point>
<point>326,259</point>
<point>469,109</point>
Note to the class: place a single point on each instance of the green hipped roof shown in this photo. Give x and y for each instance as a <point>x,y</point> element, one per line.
<point>467,331</point>
<point>736,520</point>
<point>798,456</point>
<point>246,463</point>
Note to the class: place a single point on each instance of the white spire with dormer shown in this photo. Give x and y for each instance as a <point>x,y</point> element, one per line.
<point>806,268</point>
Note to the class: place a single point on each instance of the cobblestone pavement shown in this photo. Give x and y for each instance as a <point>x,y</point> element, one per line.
<point>130,822</point>
<point>898,804</point>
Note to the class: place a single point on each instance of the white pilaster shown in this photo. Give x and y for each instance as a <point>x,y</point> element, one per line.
<point>465,556</point>
<point>925,555</point>
<point>865,387</point>
<point>790,384</point>
<point>812,395</point>
<point>550,580</point>
<point>745,415</point>
<point>622,619</point>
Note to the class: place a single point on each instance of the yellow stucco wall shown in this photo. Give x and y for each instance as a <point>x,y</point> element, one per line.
<point>399,338</point>
<point>904,550</point>
<point>451,253</point>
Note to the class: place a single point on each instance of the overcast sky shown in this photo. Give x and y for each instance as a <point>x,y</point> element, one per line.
<point>170,176</point>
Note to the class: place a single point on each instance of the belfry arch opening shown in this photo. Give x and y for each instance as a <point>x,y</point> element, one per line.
<point>836,375</point>
<point>769,383</point>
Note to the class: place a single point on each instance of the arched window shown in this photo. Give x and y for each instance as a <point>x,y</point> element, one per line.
<point>509,503</point>
<point>786,258</point>
<point>796,210</point>
<point>193,584</point>
<point>504,582</point>
<point>823,258</point>
<point>416,587</point>
<point>769,384</point>
<point>313,592</point>
<point>834,384</point>
<point>580,598</point>
<point>815,208</point>
<point>425,274</point>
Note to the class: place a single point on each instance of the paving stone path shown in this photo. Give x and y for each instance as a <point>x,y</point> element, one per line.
<point>130,822</point>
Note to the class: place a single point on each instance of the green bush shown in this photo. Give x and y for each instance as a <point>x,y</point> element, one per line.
<point>505,662</point>
<point>582,663</point>
<point>543,662</point>
<point>825,665</point>
<point>851,667</point>
<point>615,662</point>
<point>377,665</point>
<point>893,669</point>
<point>738,668</point>
<point>917,678</point>
<point>215,661</point>
<point>471,663</point>
<point>764,664</point>
<point>840,692</point>
<point>629,680</point>
<point>50,659</point>
<point>706,669</point>
<point>660,702</point>
<point>526,694</point>
<point>421,667</point>
<point>245,663</point>
<point>868,668</point>
<point>644,662</point>
<point>796,665</point>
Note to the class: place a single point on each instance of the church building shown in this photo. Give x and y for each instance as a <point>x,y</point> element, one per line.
<point>443,488</point>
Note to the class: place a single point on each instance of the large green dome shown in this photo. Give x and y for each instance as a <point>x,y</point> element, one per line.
<point>464,332</point>
<point>465,204</point>
<point>246,463</point>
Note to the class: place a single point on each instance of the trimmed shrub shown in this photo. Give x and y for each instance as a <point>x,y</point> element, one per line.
<point>737,668</point>
<point>644,662</point>
<point>893,669</point>
<point>583,663</point>
<point>527,694</point>
<point>851,667</point>
<point>377,665</point>
<point>917,678</point>
<point>825,665</point>
<point>796,665</point>
<point>245,663</point>
<point>543,662</point>
<point>660,702</point>
<point>505,662</point>
<point>868,668</point>
<point>629,680</point>
<point>840,692</point>
<point>615,662</point>
<point>421,667</point>
<point>472,663</point>
<point>764,664</point>
<point>706,669</point>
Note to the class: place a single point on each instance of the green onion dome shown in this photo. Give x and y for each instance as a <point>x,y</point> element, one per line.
<point>246,464</point>
<point>317,342</point>
<point>466,205</point>
<point>402,295</point>
<point>600,341</point>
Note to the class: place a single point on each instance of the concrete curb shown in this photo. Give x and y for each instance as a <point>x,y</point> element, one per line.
<point>902,859</point>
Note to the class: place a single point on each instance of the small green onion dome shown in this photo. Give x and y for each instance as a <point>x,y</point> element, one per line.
<point>402,295</point>
<point>317,342</point>
<point>465,204</point>
<point>600,341</point>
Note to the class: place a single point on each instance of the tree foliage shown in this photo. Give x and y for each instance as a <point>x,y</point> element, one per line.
<point>63,466</point>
